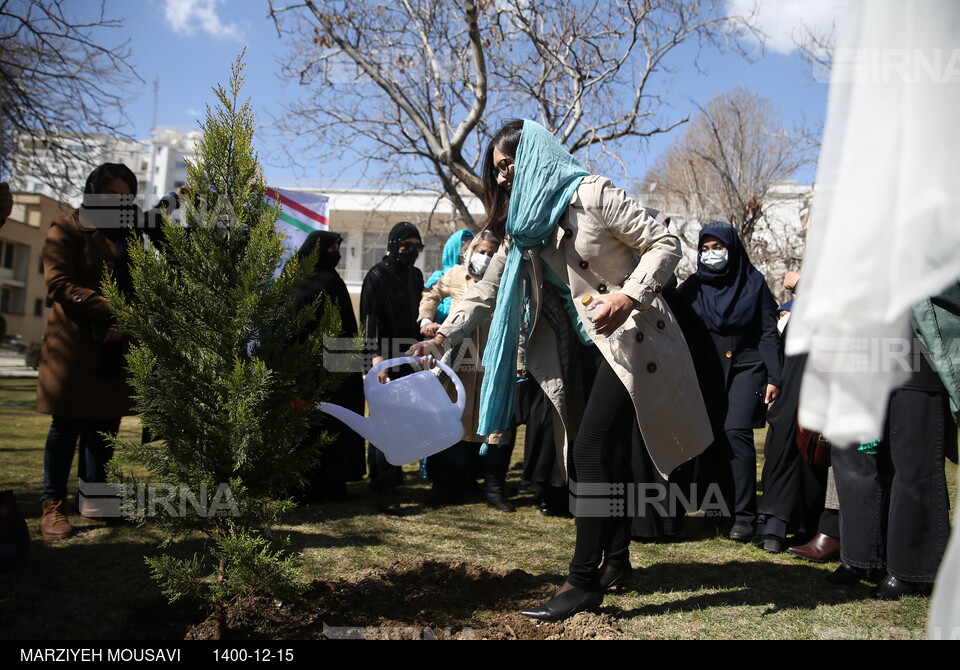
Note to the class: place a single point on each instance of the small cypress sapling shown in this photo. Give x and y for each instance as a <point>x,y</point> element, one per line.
<point>207,318</point>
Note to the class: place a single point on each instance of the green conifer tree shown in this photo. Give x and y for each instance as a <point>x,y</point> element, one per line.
<point>220,369</point>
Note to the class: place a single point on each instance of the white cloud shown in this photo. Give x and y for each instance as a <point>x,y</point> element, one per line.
<point>188,17</point>
<point>783,21</point>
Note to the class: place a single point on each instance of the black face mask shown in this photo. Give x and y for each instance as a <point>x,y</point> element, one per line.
<point>408,257</point>
<point>334,257</point>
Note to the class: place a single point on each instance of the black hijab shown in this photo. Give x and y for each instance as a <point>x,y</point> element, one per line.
<point>325,279</point>
<point>392,291</point>
<point>727,298</point>
<point>320,241</point>
<point>400,232</point>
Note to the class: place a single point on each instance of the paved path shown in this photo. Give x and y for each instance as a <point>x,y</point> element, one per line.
<point>14,365</point>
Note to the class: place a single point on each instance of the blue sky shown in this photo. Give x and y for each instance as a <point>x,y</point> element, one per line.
<point>189,45</point>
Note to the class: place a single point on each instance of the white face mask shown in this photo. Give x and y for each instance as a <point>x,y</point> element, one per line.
<point>479,264</point>
<point>715,259</point>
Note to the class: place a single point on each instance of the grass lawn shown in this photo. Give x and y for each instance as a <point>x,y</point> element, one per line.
<point>96,585</point>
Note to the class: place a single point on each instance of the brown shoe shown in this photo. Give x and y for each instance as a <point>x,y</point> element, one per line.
<point>821,549</point>
<point>53,522</point>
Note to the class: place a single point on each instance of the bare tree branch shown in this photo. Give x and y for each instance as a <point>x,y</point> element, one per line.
<point>815,46</point>
<point>730,165</point>
<point>416,85</point>
<point>59,82</point>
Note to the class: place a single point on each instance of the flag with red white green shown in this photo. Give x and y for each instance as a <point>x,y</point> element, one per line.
<point>301,213</point>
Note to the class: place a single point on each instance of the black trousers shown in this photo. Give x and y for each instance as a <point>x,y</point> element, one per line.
<point>601,461</point>
<point>894,509</point>
<point>383,475</point>
<point>746,382</point>
<point>793,490</point>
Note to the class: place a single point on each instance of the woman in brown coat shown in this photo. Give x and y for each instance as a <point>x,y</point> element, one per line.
<point>82,381</point>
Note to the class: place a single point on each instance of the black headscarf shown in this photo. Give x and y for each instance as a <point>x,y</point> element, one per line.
<point>325,279</point>
<point>726,298</point>
<point>400,232</point>
<point>391,293</point>
<point>321,241</point>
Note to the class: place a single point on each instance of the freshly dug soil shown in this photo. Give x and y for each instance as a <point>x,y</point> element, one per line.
<point>414,599</point>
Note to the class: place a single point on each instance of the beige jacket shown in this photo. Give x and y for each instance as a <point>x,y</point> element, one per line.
<point>454,284</point>
<point>607,243</point>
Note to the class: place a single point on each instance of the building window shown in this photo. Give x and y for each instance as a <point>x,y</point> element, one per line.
<point>374,248</point>
<point>11,299</point>
<point>38,307</point>
<point>7,250</point>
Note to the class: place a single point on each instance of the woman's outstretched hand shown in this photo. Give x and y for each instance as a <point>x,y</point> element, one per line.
<point>432,347</point>
<point>614,311</point>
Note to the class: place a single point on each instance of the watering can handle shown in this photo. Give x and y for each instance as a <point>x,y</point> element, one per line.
<point>461,393</point>
<point>371,379</point>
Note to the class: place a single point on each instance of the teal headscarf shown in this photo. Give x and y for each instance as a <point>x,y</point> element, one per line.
<point>545,179</point>
<point>451,257</point>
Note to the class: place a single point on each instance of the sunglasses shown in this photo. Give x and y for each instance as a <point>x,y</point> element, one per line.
<point>503,167</point>
<point>407,246</point>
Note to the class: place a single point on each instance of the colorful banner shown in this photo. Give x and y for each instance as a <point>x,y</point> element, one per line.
<point>301,213</point>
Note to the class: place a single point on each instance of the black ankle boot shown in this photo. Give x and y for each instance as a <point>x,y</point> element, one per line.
<point>848,575</point>
<point>387,501</point>
<point>892,588</point>
<point>565,605</point>
<point>493,492</point>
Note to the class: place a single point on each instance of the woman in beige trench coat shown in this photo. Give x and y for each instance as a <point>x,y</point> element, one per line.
<point>574,235</point>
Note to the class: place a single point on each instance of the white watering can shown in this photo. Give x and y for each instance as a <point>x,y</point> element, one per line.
<point>411,417</point>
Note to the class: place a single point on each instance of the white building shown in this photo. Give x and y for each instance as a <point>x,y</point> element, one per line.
<point>168,151</point>
<point>158,163</point>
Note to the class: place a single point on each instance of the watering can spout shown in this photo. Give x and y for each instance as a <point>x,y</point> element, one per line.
<point>361,425</point>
